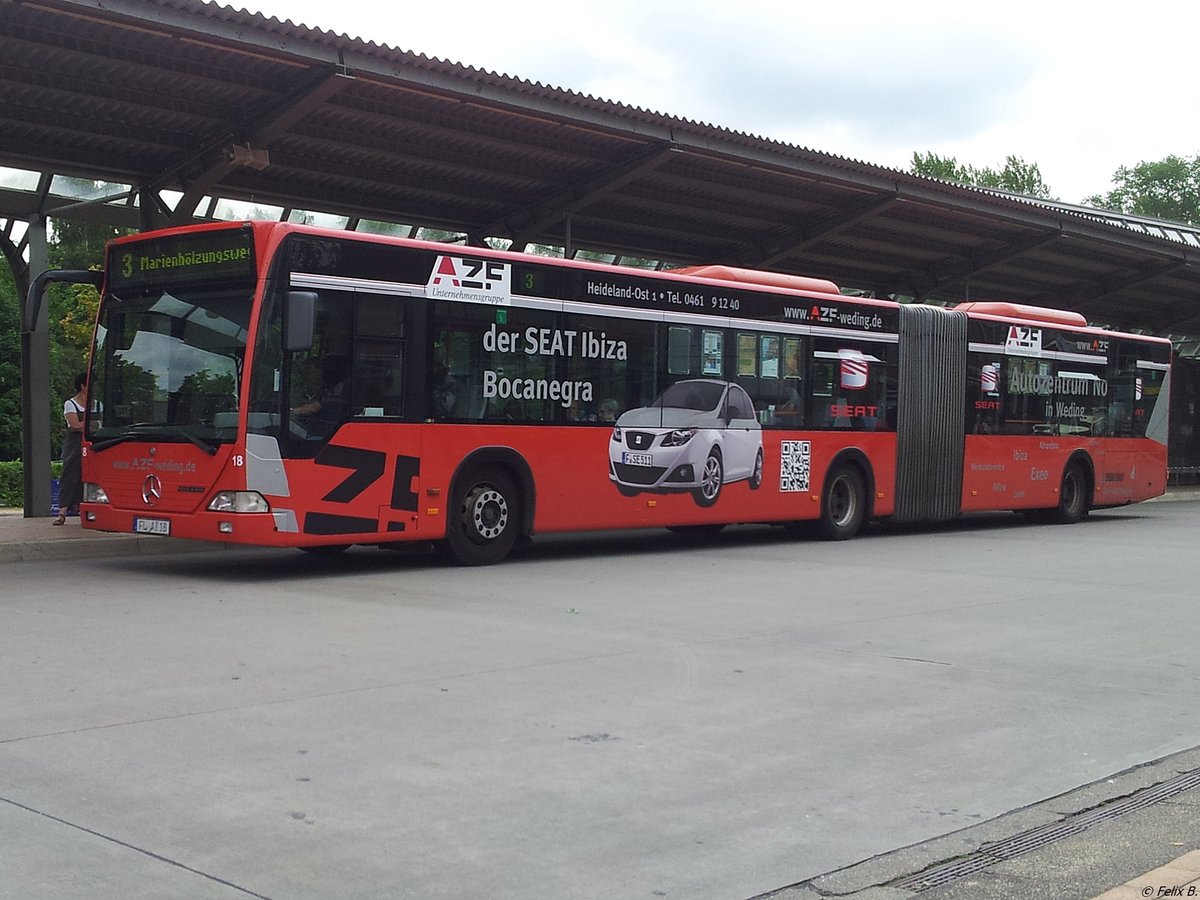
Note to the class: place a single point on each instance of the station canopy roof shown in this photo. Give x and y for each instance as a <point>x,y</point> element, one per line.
<point>179,110</point>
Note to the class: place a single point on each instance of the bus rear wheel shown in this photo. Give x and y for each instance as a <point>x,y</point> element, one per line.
<point>1072,497</point>
<point>484,521</point>
<point>843,504</point>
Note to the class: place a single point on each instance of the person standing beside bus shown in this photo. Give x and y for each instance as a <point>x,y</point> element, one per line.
<point>70,484</point>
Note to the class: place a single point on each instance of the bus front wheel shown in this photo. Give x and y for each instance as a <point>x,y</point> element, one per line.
<point>843,504</point>
<point>484,522</point>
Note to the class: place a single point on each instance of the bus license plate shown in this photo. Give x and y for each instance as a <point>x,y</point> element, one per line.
<point>152,526</point>
<point>637,459</point>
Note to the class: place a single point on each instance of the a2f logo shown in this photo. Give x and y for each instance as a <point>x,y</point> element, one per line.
<point>1022,337</point>
<point>465,272</point>
<point>482,274</point>
<point>471,279</point>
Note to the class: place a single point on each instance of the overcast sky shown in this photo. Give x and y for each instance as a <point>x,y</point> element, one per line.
<point>1075,90</point>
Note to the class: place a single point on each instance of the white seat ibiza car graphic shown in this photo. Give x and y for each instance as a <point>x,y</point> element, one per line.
<point>698,436</point>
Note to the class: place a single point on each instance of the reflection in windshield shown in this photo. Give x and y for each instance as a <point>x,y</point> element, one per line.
<point>168,365</point>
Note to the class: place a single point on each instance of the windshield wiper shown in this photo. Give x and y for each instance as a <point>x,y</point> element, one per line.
<point>104,444</point>
<point>209,448</point>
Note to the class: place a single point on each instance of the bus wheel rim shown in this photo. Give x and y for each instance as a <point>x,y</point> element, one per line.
<point>489,513</point>
<point>1070,491</point>
<point>841,502</point>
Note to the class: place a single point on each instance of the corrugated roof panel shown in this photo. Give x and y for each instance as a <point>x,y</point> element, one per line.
<point>153,91</point>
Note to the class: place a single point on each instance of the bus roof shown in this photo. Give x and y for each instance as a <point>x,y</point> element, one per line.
<point>760,277</point>
<point>1006,310</point>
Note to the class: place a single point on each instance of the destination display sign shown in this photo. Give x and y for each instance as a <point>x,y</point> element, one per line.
<point>216,256</point>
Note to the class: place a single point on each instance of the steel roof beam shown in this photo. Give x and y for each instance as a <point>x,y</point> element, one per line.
<point>782,246</point>
<point>1085,295</point>
<point>945,274</point>
<point>532,220</point>
<point>247,145</point>
<point>977,263</point>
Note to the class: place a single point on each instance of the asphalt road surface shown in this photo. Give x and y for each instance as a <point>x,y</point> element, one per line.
<point>615,716</point>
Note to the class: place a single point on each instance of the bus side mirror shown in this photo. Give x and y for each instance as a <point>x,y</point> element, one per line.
<point>300,319</point>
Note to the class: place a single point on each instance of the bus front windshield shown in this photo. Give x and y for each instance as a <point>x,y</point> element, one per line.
<point>168,364</point>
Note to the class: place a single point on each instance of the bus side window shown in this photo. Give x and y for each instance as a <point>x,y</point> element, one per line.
<point>679,350</point>
<point>770,368</point>
<point>851,385</point>
<point>379,356</point>
<point>1023,408</point>
<point>320,378</point>
<point>789,409</point>
<point>983,393</point>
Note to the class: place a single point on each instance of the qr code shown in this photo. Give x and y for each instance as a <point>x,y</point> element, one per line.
<point>794,460</point>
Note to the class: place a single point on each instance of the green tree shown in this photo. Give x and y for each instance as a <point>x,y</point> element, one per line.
<point>943,168</point>
<point>72,316</point>
<point>1168,188</point>
<point>73,245</point>
<point>80,245</point>
<point>1016,176</point>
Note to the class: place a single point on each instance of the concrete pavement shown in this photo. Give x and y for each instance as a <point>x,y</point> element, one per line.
<point>1131,835</point>
<point>32,539</point>
<point>1134,834</point>
<point>35,538</point>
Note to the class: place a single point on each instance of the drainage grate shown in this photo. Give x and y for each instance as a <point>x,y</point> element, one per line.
<point>1036,838</point>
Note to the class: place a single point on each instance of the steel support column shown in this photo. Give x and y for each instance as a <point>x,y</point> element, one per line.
<point>35,385</point>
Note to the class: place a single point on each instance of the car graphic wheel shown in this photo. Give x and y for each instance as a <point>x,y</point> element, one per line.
<point>756,477</point>
<point>712,476</point>
<point>625,490</point>
<point>843,504</point>
<point>483,523</point>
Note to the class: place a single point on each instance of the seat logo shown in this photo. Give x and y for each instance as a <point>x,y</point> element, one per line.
<point>151,490</point>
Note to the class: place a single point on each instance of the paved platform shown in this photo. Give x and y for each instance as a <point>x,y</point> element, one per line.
<point>35,538</point>
<point>31,539</point>
<point>1100,861</point>
<point>1132,835</point>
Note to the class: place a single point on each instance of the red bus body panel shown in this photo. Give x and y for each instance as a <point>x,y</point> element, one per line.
<point>572,490</point>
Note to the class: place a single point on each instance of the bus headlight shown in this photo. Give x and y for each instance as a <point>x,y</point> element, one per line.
<point>93,493</point>
<point>239,502</point>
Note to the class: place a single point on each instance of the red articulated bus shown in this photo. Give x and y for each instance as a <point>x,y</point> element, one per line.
<point>281,385</point>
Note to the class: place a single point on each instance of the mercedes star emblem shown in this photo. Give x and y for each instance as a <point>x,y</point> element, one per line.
<point>151,490</point>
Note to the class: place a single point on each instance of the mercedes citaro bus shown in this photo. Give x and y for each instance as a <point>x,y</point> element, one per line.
<point>290,386</point>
